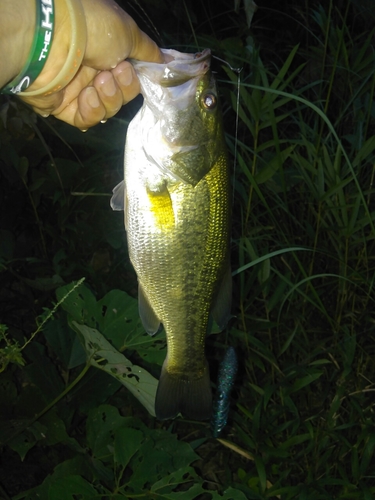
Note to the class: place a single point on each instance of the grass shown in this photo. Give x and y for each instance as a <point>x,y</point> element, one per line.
<point>306,180</point>
<point>301,424</point>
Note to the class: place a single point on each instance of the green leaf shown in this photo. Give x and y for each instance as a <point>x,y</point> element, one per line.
<point>233,494</point>
<point>288,341</point>
<point>64,342</point>
<point>295,440</point>
<point>71,487</point>
<point>27,439</point>
<point>365,152</point>
<point>261,473</point>
<point>8,395</point>
<point>43,373</point>
<point>250,8</point>
<point>268,256</point>
<point>55,431</point>
<point>178,453</point>
<point>116,316</point>
<point>368,453</point>
<point>101,425</point>
<point>80,304</point>
<point>121,325</point>
<point>44,284</point>
<point>355,464</point>
<point>166,486</point>
<point>84,398</point>
<point>104,356</point>
<point>264,271</point>
<point>80,463</point>
<point>164,448</point>
<point>37,184</point>
<point>348,346</point>
<point>273,165</point>
<point>283,71</point>
<point>119,317</point>
<point>168,483</point>
<point>127,443</point>
<point>304,381</point>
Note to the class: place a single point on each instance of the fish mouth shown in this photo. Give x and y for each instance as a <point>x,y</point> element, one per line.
<point>179,68</point>
<point>170,55</point>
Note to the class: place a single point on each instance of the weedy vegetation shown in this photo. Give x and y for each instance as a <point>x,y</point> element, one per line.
<point>78,373</point>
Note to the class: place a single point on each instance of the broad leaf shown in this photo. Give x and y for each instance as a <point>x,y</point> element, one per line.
<point>105,357</point>
<point>72,487</point>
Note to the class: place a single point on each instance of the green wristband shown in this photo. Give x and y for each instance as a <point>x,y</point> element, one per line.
<point>40,49</point>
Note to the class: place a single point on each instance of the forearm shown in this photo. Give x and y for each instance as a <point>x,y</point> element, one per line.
<point>17,23</point>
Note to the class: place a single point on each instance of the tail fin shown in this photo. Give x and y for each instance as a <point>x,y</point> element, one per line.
<point>182,393</point>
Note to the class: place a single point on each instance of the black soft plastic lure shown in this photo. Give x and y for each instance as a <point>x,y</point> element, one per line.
<point>227,375</point>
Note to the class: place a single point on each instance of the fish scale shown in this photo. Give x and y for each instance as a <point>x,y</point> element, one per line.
<point>177,215</point>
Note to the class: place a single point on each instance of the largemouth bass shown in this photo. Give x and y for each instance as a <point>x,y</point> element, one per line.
<point>177,218</point>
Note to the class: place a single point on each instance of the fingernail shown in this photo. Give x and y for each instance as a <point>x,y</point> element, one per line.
<point>109,87</point>
<point>92,98</point>
<point>125,77</point>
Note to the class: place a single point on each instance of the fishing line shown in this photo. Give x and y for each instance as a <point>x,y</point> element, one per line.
<point>238,72</point>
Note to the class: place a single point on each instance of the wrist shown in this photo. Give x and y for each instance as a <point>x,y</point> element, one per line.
<point>52,61</point>
<point>59,48</point>
<point>68,50</point>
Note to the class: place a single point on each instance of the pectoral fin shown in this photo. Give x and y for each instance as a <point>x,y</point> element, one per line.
<point>161,208</point>
<point>149,319</point>
<point>222,306</point>
<point>118,198</point>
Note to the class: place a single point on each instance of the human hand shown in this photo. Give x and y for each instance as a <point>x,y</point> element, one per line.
<point>104,81</point>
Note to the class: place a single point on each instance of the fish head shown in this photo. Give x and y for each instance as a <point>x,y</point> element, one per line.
<point>182,132</point>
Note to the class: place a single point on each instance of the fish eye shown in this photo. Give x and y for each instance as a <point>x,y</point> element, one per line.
<point>209,100</point>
